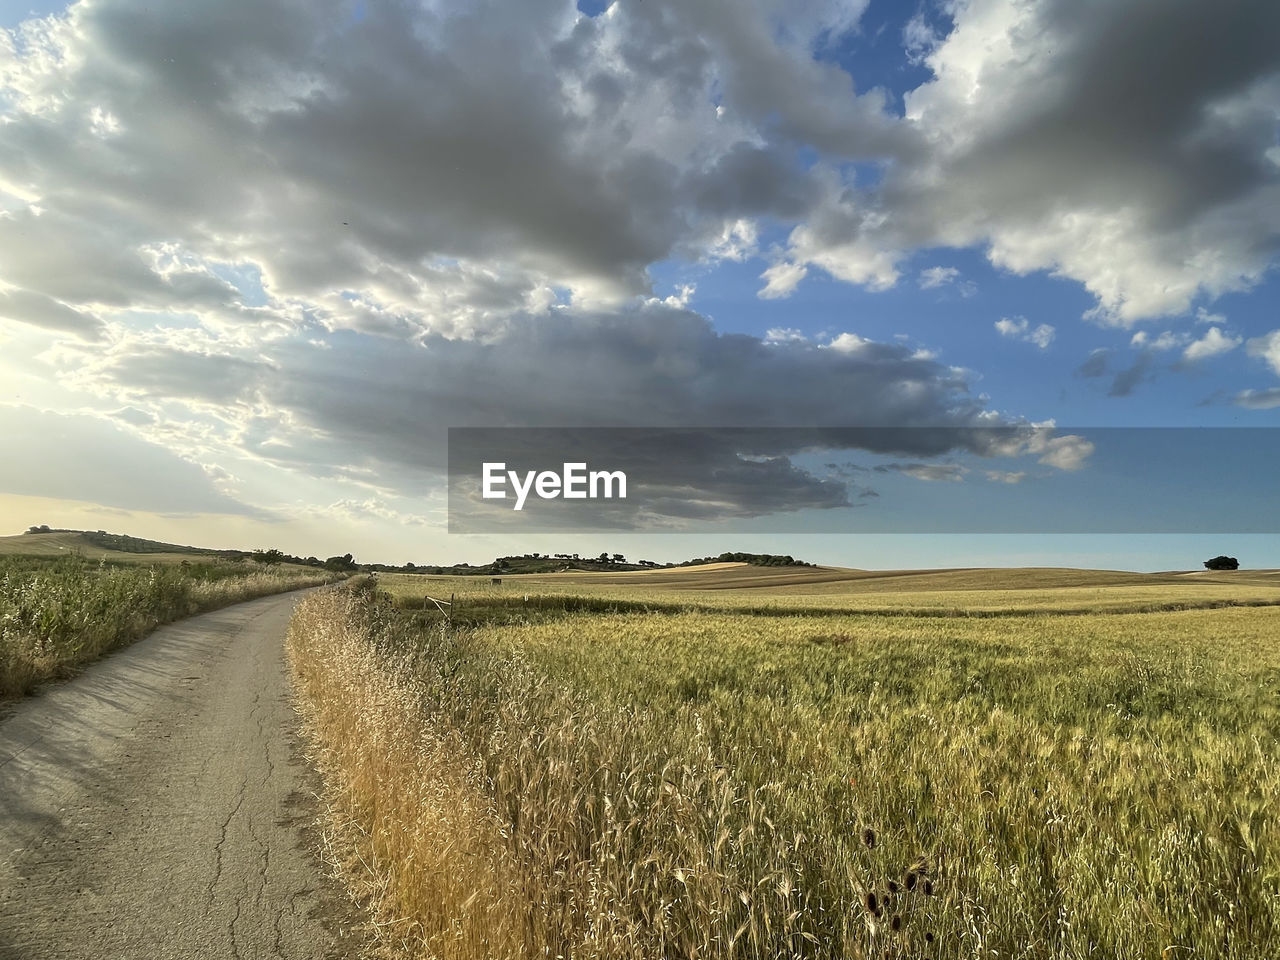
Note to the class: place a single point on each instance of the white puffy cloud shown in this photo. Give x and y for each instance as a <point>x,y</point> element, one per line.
<point>843,237</point>
<point>1063,451</point>
<point>1204,316</point>
<point>919,38</point>
<point>1165,340</point>
<point>781,279</point>
<point>1068,452</point>
<point>850,343</point>
<point>1077,140</point>
<point>1019,328</point>
<point>933,278</point>
<point>1267,399</point>
<point>1267,347</point>
<point>1212,344</point>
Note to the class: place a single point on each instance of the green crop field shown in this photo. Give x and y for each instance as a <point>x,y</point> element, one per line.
<point>712,763</point>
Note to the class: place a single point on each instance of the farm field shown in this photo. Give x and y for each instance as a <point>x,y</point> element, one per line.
<point>931,592</point>
<point>711,763</point>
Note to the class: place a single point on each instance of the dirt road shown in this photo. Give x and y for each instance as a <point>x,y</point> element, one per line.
<point>157,806</point>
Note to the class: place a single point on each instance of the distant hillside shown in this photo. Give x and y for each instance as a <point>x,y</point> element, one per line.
<point>98,544</point>
<point>573,563</point>
<point>752,559</point>
<point>45,541</point>
<point>124,543</point>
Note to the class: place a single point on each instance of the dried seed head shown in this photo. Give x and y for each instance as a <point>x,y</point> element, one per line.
<point>910,881</point>
<point>893,886</point>
<point>896,922</point>
<point>869,838</point>
<point>928,937</point>
<point>928,888</point>
<point>871,902</point>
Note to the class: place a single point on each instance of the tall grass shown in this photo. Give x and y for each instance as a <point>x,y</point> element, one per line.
<point>57,614</point>
<point>710,785</point>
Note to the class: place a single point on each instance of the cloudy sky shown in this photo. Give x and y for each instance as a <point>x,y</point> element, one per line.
<point>257,257</point>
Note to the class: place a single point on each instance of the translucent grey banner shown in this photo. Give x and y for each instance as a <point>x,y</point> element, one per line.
<point>969,479</point>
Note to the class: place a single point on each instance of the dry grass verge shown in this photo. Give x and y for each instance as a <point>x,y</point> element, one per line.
<point>415,840</point>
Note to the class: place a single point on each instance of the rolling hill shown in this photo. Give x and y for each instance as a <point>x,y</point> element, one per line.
<point>99,545</point>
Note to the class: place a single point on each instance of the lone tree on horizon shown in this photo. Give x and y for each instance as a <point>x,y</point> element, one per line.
<point>1222,563</point>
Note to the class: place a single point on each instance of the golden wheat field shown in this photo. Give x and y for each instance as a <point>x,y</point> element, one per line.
<point>713,763</point>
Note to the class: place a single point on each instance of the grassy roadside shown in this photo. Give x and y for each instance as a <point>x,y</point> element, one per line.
<point>57,614</point>
<point>411,828</point>
<point>626,785</point>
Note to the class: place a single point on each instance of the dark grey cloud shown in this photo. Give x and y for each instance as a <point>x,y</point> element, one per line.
<point>1130,146</point>
<point>80,252</point>
<point>376,410</point>
<point>651,366</point>
<point>374,156</point>
<point>26,306</point>
<point>1095,365</point>
<point>764,62</point>
<point>168,373</point>
<point>1128,379</point>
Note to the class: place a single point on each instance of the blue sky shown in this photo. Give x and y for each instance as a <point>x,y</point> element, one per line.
<point>275,255</point>
<point>13,12</point>
<point>1039,383</point>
